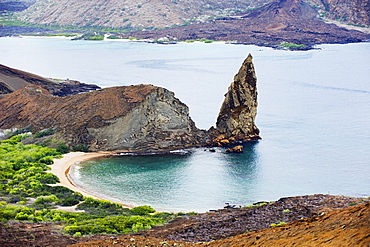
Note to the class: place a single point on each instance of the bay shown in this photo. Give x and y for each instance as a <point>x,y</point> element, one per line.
<point>313,115</point>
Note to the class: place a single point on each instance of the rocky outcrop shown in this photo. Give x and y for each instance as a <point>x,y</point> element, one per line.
<point>141,118</point>
<point>239,109</point>
<point>133,118</point>
<point>13,79</point>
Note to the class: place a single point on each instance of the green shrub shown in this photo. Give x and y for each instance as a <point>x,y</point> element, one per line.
<point>63,149</point>
<point>80,148</point>
<point>113,225</point>
<point>21,216</point>
<point>142,210</point>
<point>69,201</point>
<point>291,45</point>
<point>45,201</point>
<point>278,224</point>
<point>8,212</point>
<point>102,207</point>
<point>47,160</point>
<point>45,132</point>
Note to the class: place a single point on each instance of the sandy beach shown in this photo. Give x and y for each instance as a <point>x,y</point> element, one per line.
<point>61,167</point>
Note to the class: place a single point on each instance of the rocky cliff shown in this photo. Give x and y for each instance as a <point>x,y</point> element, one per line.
<point>239,108</point>
<point>132,118</point>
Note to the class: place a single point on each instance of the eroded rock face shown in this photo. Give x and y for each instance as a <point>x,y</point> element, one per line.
<point>159,122</point>
<point>133,118</point>
<point>239,109</point>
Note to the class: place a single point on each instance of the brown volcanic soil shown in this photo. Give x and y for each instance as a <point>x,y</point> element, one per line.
<point>292,21</point>
<point>337,225</point>
<point>44,110</point>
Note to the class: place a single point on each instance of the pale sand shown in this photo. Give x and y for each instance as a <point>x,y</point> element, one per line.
<point>61,168</point>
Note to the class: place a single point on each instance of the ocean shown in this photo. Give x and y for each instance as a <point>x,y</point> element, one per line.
<point>313,114</point>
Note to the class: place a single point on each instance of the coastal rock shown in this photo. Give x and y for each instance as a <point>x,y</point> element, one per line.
<point>236,149</point>
<point>239,108</point>
<point>132,118</point>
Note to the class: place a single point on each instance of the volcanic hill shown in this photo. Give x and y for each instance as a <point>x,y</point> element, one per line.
<point>281,21</point>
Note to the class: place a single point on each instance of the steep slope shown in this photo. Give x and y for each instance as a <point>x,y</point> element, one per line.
<point>13,79</point>
<point>354,11</point>
<point>129,13</point>
<point>282,10</point>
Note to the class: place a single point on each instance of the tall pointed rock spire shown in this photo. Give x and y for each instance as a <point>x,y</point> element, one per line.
<point>239,109</point>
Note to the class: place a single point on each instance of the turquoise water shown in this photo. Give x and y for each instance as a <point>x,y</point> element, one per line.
<point>196,180</point>
<point>313,115</point>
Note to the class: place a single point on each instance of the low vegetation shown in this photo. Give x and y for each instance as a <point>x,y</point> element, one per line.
<point>292,46</point>
<point>29,193</point>
<point>90,36</point>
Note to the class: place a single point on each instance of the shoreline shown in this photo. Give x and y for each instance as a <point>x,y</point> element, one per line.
<point>61,169</point>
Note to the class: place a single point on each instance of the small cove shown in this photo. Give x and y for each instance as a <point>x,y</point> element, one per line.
<point>313,117</point>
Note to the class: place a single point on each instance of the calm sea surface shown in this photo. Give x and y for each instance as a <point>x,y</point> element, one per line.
<point>314,117</point>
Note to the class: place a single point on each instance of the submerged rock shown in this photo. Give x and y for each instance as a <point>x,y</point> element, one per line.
<point>239,109</point>
<point>236,149</point>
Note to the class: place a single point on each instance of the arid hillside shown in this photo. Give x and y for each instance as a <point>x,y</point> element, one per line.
<point>149,14</point>
<point>131,14</point>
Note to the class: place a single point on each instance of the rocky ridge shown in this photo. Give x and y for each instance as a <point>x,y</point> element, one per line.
<point>13,79</point>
